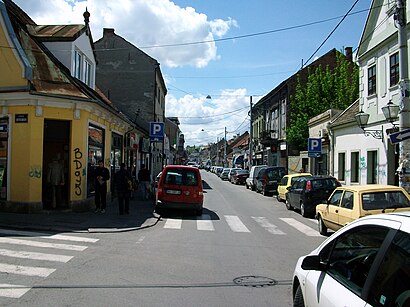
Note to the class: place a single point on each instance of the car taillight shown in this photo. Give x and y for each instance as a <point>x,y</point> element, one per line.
<point>265,179</point>
<point>338,183</point>
<point>309,186</point>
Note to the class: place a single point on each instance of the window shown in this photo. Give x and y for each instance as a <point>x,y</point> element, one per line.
<point>87,73</point>
<point>371,76</point>
<point>95,152</point>
<point>391,285</point>
<point>354,167</point>
<point>394,69</point>
<point>347,200</point>
<point>372,166</point>
<point>352,256</point>
<point>78,59</point>
<point>341,166</point>
<point>181,177</point>
<point>335,200</point>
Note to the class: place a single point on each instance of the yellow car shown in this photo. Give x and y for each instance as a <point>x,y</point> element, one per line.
<point>286,182</point>
<point>349,203</point>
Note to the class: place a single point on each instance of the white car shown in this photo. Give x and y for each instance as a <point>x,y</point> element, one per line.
<point>366,263</point>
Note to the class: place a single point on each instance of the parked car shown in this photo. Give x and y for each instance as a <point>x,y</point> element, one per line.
<point>231,171</point>
<point>307,192</point>
<point>239,176</point>
<point>251,180</point>
<point>365,263</point>
<point>180,187</point>
<point>219,170</point>
<point>224,174</point>
<point>268,179</point>
<point>352,202</point>
<point>286,182</point>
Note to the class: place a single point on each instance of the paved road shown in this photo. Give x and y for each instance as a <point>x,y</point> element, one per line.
<point>240,252</point>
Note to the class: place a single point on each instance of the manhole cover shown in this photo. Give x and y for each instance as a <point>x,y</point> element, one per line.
<point>254,281</point>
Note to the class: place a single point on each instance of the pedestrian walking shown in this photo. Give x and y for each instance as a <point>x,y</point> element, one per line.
<point>102,175</point>
<point>123,183</point>
<point>144,177</point>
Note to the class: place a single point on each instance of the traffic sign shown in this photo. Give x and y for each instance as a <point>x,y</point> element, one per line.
<point>400,136</point>
<point>156,131</point>
<point>314,145</point>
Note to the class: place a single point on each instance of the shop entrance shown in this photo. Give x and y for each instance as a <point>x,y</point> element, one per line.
<point>55,164</point>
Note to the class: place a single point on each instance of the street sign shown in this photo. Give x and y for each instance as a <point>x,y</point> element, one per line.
<point>400,136</point>
<point>314,145</point>
<point>314,154</point>
<point>156,131</point>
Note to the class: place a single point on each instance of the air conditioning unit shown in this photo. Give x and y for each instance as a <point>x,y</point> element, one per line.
<point>322,133</point>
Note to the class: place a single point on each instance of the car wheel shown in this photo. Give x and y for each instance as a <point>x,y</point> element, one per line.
<point>265,193</point>
<point>278,198</point>
<point>298,299</point>
<point>246,186</point>
<point>322,226</point>
<point>303,209</point>
<point>288,205</point>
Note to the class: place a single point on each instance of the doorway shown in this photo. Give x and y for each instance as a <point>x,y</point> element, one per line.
<point>55,195</point>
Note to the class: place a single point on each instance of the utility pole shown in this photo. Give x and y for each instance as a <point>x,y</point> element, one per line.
<point>225,149</point>
<point>250,136</point>
<point>404,114</point>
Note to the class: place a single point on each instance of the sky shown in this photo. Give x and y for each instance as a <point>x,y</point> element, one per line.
<point>215,55</point>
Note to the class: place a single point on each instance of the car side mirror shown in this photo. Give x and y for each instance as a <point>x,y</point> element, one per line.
<point>313,263</point>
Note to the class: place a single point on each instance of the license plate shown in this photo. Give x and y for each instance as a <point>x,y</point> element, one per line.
<point>173,192</point>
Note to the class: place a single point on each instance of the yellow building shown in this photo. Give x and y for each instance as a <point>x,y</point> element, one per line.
<point>51,112</point>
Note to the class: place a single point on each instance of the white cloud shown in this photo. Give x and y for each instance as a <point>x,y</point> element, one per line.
<point>203,121</point>
<point>143,23</point>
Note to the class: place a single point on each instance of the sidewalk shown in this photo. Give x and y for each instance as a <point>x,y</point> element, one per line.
<point>141,216</point>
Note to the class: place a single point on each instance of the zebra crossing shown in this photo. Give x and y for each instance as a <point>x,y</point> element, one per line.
<point>16,246</point>
<point>235,223</point>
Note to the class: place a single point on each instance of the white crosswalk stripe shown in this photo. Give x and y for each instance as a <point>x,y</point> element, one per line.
<point>302,227</point>
<point>25,270</point>
<point>13,291</point>
<point>34,256</point>
<point>27,239</point>
<point>205,223</point>
<point>264,222</point>
<point>173,224</point>
<point>236,224</point>
<point>42,244</point>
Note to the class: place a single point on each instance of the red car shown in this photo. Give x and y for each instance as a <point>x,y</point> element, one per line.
<point>239,176</point>
<point>180,187</point>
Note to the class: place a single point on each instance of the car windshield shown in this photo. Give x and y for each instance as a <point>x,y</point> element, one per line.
<point>181,177</point>
<point>324,184</point>
<point>384,200</point>
<point>242,172</point>
<point>275,173</point>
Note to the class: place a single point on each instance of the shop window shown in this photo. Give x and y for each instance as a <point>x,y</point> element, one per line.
<point>95,152</point>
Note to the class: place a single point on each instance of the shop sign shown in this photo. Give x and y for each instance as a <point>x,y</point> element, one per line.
<point>21,118</point>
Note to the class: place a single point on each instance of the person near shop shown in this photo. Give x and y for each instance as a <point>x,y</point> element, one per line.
<point>55,178</point>
<point>144,178</point>
<point>102,175</point>
<point>123,183</point>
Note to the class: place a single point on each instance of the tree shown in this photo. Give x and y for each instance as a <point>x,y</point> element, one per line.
<point>324,89</point>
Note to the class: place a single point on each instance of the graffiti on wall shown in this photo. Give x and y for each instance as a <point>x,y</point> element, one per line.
<point>78,165</point>
<point>35,172</point>
<point>362,162</point>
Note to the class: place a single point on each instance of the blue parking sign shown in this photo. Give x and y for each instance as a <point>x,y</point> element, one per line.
<point>314,145</point>
<point>156,131</point>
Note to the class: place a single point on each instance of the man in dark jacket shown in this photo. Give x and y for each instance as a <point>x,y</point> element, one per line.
<point>144,177</point>
<point>122,182</point>
<point>102,175</point>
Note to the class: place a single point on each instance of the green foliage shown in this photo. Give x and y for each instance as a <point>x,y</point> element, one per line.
<point>324,89</point>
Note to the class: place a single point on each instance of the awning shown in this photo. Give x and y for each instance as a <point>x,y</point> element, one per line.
<point>238,160</point>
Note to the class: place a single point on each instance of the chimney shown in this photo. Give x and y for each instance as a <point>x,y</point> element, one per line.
<point>108,32</point>
<point>349,54</point>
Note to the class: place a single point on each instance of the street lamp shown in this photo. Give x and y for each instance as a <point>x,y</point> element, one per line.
<point>390,112</point>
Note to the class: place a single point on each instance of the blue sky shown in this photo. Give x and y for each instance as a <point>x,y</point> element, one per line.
<point>226,67</point>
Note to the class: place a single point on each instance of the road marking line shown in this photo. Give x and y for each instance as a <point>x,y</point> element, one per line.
<point>42,244</point>
<point>13,291</point>
<point>173,224</point>
<point>302,227</point>
<point>25,270</point>
<point>34,256</point>
<point>204,222</point>
<point>46,236</point>
<point>264,222</point>
<point>140,240</point>
<point>236,224</point>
